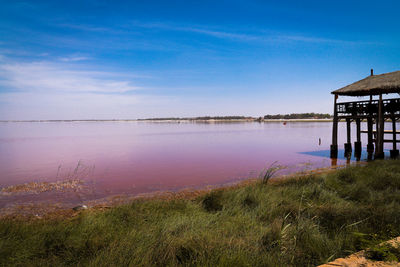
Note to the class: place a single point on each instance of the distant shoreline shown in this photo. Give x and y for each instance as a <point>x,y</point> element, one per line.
<point>177,120</point>
<point>293,117</point>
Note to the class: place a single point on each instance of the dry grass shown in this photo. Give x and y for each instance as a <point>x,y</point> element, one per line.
<point>40,187</point>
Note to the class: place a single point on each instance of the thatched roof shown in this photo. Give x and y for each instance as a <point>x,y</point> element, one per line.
<point>373,85</point>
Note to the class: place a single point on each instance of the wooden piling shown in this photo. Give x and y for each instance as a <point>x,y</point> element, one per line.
<point>394,153</point>
<point>347,146</point>
<point>357,144</point>
<point>370,145</point>
<point>334,145</point>
<point>394,132</point>
<point>380,130</point>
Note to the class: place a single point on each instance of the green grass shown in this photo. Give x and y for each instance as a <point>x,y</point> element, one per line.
<point>385,252</point>
<point>298,222</point>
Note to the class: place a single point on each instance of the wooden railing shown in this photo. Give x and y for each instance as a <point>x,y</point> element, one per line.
<point>391,107</point>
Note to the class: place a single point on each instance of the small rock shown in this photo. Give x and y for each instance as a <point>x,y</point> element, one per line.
<point>80,207</point>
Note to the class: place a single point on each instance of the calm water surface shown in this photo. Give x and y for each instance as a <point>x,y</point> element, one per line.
<point>139,157</point>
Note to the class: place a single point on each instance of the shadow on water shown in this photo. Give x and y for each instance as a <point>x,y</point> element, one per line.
<point>341,155</point>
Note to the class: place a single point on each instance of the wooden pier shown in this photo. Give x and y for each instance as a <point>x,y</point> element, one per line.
<point>374,111</point>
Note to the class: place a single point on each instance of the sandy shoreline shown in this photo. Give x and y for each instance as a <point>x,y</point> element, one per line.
<point>43,209</point>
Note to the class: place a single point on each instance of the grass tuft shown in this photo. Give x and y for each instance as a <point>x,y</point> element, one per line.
<point>212,201</point>
<point>386,252</point>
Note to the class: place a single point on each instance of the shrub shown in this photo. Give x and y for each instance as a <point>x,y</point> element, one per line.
<point>212,202</point>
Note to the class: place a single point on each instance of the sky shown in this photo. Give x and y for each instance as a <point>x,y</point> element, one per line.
<point>141,59</point>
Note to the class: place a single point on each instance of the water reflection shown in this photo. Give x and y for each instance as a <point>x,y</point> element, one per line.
<point>342,156</point>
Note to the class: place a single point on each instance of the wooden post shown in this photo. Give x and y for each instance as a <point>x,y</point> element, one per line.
<point>334,146</point>
<point>394,153</point>
<point>357,144</point>
<point>394,132</point>
<point>380,130</point>
<point>348,121</point>
<point>370,145</point>
<point>347,146</point>
<point>375,134</point>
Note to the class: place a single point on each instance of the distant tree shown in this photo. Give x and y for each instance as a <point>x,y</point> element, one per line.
<point>298,116</point>
<point>202,118</point>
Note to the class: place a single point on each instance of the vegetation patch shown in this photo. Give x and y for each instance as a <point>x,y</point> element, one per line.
<point>301,221</point>
<point>385,252</point>
<point>40,187</point>
<point>298,116</point>
<point>212,201</point>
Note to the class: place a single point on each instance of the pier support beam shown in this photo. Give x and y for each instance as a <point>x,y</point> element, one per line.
<point>379,154</point>
<point>394,153</point>
<point>347,146</point>
<point>334,145</point>
<point>370,145</point>
<point>357,144</point>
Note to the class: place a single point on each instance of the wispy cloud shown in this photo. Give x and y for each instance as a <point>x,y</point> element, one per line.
<point>256,36</point>
<point>29,105</point>
<point>74,58</point>
<point>248,37</point>
<point>87,28</point>
<point>319,40</point>
<point>65,90</point>
<point>49,77</point>
<point>225,35</point>
<point>199,30</point>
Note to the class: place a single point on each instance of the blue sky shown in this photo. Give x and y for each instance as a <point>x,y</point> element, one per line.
<point>139,59</point>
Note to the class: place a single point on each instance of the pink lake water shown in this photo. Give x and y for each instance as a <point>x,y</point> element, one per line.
<point>140,157</point>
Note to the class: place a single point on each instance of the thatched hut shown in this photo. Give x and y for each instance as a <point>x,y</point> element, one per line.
<point>376,112</point>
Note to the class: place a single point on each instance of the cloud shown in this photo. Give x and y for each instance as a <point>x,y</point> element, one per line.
<point>29,105</point>
<point>225,35</point>
<point>161,26</point>
<point>255,36</point>
<point>60,90</point>
<point>199,30</point>
<point>74,58</point>
<point>87,28</point>
<point>248,37</point>
<point>319,40</point>
<point>51,77</point>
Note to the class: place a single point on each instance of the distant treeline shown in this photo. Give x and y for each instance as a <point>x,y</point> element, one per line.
<point>266,117</point>
<point>204,118</point>
<point>298,116</point>
<point>223,118</point>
